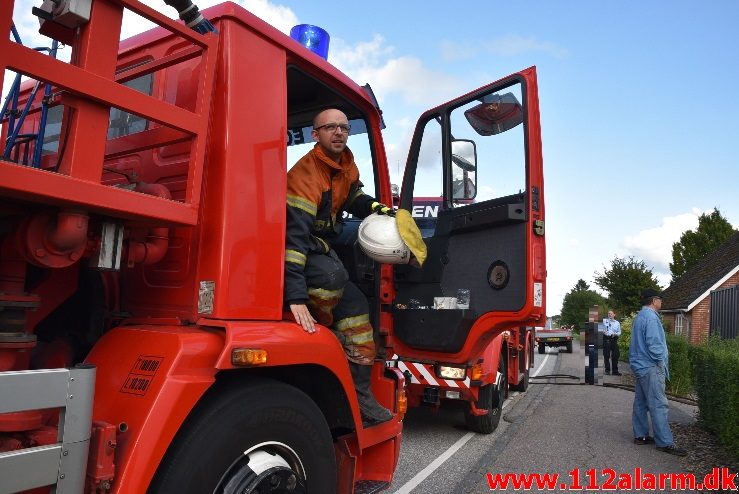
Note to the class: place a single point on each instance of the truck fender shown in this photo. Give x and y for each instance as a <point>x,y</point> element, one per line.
<point>286,343</point>
<point>490,360</point>
<point>149,378</point>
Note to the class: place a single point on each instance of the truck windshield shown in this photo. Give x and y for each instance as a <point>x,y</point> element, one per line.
<point>307,96</point>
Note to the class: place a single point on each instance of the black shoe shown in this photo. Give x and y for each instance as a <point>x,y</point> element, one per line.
<point>671,449</point>
<point>608,373</point>
<point>616,373</point>
<point>644,440</point>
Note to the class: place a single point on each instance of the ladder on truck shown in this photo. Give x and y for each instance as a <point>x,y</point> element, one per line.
<point>15,141</point>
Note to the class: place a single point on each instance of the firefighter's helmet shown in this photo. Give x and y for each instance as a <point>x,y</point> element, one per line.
<point>380,240</point>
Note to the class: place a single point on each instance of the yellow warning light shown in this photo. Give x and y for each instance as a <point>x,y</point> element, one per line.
<point>248,356</point>
<point>476,372</point>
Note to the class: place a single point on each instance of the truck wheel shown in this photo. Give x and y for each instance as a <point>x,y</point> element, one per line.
<point>523,384</point>
<point>542,348</point>
<point>569,347</point>
<point>262,437</point>
<point>490,398</point>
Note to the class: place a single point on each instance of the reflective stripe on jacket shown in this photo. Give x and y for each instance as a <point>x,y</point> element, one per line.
<point>318,191</point>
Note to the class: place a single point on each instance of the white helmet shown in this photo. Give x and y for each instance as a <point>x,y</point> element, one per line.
<point>380,240</point>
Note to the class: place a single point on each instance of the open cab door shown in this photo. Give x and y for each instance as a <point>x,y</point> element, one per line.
<point>482,151</point>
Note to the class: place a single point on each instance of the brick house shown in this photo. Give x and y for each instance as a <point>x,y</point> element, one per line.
<point>686,304</point>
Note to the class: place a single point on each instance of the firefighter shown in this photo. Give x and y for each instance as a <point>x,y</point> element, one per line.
<point>321,185</point>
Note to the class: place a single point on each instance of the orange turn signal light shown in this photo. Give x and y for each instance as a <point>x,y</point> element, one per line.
<point>476,372</point>
<point>248,356</point>
<point>401,402</point>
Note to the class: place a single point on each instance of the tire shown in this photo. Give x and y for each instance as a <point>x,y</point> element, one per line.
<point>569,347</point>
<point>542,348</point>
<point>523,384</point>
<point>491,398</point>
<point>247,438</point>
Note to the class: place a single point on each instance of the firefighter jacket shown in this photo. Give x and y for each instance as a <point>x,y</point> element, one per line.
<point>319,190</point>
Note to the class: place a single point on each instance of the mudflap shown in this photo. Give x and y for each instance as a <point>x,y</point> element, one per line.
<point>477,411</point>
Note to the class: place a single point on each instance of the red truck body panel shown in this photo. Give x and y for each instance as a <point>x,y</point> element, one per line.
<point>192,181</point>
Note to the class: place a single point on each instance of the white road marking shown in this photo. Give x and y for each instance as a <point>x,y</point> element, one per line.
<point>434,465</point>
<point>421,476</point>
<point>541,365</point>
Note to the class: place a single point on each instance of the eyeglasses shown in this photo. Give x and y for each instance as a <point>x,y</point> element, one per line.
<point>331,127</point>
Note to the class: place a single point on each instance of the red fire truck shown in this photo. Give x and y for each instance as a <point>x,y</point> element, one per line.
<point>482,387</point>
<point>143,342</point>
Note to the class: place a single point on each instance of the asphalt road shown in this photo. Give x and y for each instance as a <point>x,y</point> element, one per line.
<point>438,451</point>
<point>549,428</point>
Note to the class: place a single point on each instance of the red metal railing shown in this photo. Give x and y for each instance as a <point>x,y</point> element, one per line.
<point>90,87</point>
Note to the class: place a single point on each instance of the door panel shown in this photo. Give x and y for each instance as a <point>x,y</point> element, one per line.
<point>489,234</point>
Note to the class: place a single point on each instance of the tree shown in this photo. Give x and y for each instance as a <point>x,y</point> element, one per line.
<point>578,302</point>
<point>581,286</point>
<point>713,230</point>
<point>624,282</point>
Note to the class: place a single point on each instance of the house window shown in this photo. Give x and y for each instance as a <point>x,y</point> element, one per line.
<point>682,325</point>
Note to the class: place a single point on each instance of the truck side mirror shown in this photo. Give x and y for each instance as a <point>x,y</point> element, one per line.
<point>464,169</point>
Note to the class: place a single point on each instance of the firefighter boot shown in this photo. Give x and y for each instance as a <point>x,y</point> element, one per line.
<point>372,412</point>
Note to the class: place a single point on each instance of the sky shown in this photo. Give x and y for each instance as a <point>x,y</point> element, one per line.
<point>639,104</point>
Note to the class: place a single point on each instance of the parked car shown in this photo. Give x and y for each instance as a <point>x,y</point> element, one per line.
<point>556,337</point>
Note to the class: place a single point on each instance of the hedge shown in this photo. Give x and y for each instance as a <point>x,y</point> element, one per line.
<point>680,382</point>
<point>715,368</point>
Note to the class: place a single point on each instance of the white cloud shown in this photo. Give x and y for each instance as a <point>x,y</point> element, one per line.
<point>279,16</point>
<point>654,245</point>
<point>371,61</point>
<point>362,55</point>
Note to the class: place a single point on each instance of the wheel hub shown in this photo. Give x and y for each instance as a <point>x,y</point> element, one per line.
<point>264,469</point>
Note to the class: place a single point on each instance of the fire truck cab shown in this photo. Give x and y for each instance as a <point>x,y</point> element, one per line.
<point>143,341</point>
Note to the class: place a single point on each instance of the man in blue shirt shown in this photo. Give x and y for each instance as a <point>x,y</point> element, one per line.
<point>611,352</point>
<point>648,360</point>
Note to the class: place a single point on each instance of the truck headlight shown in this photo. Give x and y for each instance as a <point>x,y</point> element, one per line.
<point>447,372</point>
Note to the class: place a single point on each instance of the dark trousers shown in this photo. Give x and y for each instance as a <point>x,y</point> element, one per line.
<point>337,303</point>
<point>610,353</point>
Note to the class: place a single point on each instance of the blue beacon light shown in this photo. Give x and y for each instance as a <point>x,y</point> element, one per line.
<point>314,38</point>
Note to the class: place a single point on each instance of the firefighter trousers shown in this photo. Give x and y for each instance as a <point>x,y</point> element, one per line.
<point>338,304</point>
